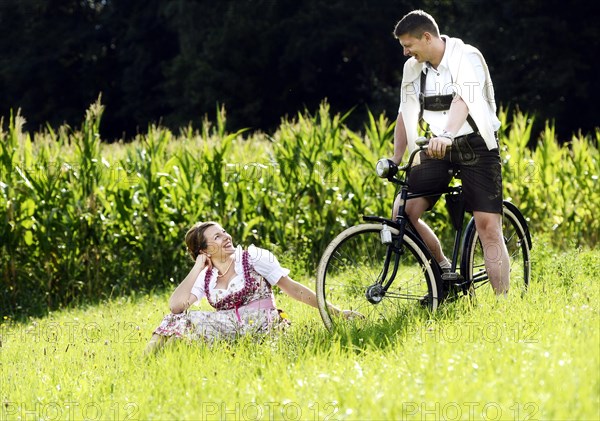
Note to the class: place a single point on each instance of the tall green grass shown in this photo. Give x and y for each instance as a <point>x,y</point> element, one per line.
<point>526,358</point>
<point>83,220</point>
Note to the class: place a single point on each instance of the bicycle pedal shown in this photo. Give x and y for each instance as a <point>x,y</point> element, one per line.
<point>460,285</point>
<point>449,276</point>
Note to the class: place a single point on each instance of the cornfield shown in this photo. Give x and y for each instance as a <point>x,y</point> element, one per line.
<point>84,220</point>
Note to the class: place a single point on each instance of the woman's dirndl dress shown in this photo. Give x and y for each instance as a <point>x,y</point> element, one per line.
<point>246,307</point>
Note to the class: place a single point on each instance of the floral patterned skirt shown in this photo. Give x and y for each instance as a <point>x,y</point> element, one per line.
<point>222,324</point>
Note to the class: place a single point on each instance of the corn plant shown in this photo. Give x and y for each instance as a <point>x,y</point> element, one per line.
<point>82,220</point>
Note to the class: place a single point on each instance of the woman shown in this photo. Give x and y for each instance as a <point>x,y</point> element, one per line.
<point>236,282</point>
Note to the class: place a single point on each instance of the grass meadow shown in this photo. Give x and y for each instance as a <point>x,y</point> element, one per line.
<point>525,358</point>
<point>91,248</point>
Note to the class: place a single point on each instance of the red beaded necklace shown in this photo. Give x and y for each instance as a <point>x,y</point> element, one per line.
<point>233,301</point>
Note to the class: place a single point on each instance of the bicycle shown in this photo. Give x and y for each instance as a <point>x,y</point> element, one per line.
<point>382,267</point>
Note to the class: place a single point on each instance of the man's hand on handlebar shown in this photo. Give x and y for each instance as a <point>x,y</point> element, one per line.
<point>437,147</point>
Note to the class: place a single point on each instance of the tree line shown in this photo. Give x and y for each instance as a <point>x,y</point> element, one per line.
<point>174,62</point>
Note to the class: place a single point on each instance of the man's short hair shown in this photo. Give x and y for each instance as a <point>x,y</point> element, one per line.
<point>415,24</point>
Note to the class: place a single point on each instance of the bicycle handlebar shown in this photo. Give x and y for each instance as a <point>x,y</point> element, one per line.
<point>386,168</point>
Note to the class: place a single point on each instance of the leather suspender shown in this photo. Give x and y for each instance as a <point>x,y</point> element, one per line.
<point>422,99</point>
<point>422,105</point>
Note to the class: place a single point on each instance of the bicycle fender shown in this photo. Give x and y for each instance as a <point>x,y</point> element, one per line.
<point>468,234</point>
<point>515,211</point>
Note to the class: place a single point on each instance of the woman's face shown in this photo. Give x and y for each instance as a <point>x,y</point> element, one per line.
<point>219,242</point>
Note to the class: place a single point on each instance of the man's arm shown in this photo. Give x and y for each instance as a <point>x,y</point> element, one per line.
<point>456,118</point>
<point>457,115</point>
<point>399,139</point>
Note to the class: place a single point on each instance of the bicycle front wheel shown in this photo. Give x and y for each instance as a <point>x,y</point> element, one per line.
<point>518,244</point>
<point>350,272</point>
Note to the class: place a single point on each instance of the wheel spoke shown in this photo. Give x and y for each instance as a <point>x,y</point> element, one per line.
<point>349,277</point>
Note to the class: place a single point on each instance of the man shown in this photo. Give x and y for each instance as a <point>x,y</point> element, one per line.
<point>446,84</point>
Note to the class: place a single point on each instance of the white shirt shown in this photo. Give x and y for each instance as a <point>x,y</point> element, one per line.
<point>474,87</point>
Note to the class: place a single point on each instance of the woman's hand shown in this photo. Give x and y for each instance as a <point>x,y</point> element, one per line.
<point>346,314</point>
<point>203,260</point>
<point>182,297</point>
<point>351,314</point>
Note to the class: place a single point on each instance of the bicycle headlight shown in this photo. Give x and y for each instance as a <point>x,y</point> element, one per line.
<point>386,168</point>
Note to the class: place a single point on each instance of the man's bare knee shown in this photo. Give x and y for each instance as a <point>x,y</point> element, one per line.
<point>415,208</point>
<point>489,225</point>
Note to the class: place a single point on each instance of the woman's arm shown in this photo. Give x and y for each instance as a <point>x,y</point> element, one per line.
<point>305,295</point>
<point>266,264</point>
<point>297,291</point>
<point>182,298</point>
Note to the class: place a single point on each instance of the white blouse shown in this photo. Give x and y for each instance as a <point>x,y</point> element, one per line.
<point>264,262</point>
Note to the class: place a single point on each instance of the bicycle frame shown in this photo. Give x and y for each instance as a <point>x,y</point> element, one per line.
<point>398,265</point>
<point>402,224</point>
<point>455,205</point>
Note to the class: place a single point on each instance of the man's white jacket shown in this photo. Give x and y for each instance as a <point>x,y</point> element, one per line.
<point>479,99</point>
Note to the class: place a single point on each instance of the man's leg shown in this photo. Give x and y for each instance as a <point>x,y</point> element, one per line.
<point>489,228</point>
<point>414,209</point>
<point>431,175</point>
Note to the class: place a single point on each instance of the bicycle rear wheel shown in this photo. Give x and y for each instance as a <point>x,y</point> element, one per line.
<point>518,244</point>
<point>350,271</point>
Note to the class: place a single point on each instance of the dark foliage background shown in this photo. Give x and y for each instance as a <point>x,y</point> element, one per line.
<point>173,61</point>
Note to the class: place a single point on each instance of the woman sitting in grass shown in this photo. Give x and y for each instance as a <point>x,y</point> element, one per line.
<point>236,282</point>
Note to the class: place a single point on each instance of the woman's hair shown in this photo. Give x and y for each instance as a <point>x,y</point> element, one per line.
<point>195,240</point>
<point>415,24</point>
